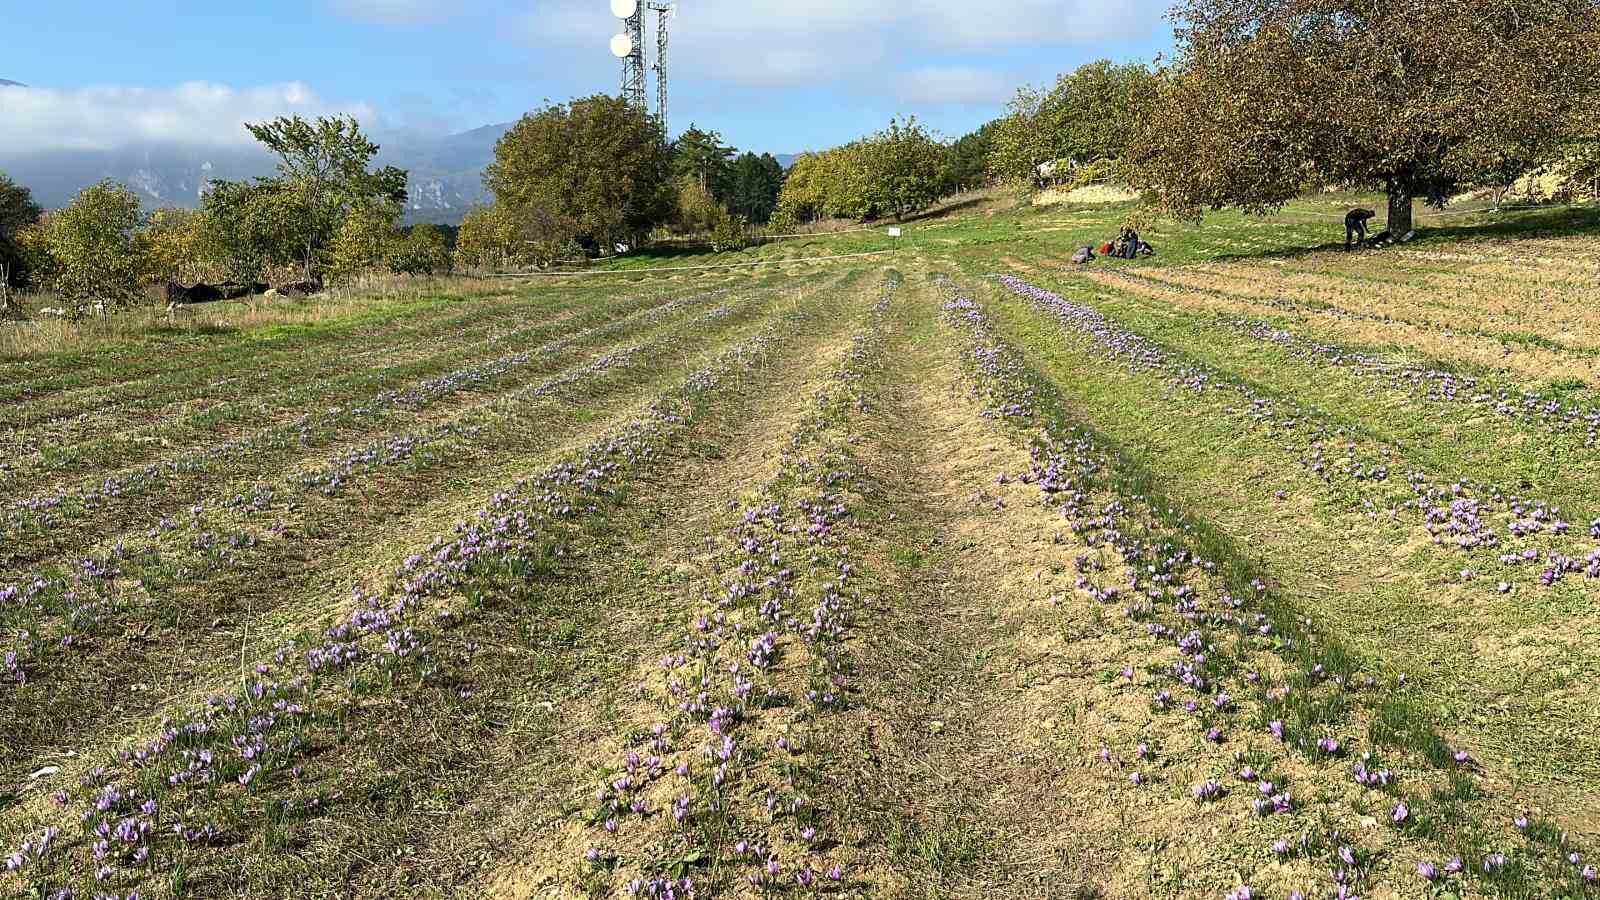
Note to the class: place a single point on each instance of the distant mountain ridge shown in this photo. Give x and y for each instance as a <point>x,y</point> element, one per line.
<point>446,173</point>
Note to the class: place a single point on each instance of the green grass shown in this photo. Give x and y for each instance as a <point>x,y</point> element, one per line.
<point>460,770</point>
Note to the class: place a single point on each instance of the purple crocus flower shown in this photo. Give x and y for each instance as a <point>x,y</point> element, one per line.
<point>1453,866</point>
<point>1400,813</point>
<point>1428,871</point>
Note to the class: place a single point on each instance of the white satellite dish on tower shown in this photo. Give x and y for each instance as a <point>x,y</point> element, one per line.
<point>621,46</point>
<point>624,9</point>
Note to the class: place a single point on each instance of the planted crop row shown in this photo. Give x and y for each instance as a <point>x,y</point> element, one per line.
<point>49,522</point>
<point>1489,524</point>
<point>1268,708</point>
<point>69,619</point>
<point>181,802</point>
<point>716,793</point>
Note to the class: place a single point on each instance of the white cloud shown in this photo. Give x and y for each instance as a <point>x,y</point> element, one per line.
<point>192,114</point>
<point>391,12</point>
<point>955,86</point>
<point>805,41</point>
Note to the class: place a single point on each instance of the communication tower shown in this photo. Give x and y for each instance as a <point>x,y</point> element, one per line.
<point>629,47</point>
<point>664,12</point>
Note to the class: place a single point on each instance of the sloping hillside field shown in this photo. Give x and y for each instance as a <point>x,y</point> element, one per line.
<point>954,571</point>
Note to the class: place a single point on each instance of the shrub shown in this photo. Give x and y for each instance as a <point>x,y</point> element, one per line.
<point>89,255</point>
<point>423,251</point>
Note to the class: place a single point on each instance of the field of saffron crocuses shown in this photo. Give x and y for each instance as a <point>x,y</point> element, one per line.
<point>1249,570</point>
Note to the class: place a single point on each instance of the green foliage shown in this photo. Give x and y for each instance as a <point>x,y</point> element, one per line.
<point>1269,96</point>
<point>1090,115</point>
<point>422,251</point>
<point>366,240</point>
<point>754,184</point>
<point>322,177</point>
<point>17,211</point>
<point>729,234</point>
<point>176,245</point>
<point>966,162</point>
<point>487,239</point>
<point>701,155</point>
<point>698,210</point>
<point>596,167</point>
<point>252,227</point>
<point>894,172</point>
<point>93,261</point>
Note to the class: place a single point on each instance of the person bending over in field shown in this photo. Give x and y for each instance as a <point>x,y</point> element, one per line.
<point>1355,226</point>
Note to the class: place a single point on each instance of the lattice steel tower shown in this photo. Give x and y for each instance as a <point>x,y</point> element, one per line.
<point>663,12</point>
<point>633,77</point>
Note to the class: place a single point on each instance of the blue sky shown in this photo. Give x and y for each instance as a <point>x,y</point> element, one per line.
<point>771,76</point>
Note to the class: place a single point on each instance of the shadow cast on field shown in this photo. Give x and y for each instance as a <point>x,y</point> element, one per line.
<point>1544,223</point>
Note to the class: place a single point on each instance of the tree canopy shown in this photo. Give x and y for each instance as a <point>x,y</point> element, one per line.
<point>323,176</point>
<point>754,183</point>
<point>894,172</point>
<point>17,211</point>
<point>1418,98</point>
<point>93,260</point>
<point>597,164</point>
<point>703,156</point>
<point>1088,117</point>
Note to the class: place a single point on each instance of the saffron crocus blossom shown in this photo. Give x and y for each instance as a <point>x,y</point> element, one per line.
<point>1454,866</point>
<point>1428,871</point>
<point>1494,862</point>
<point>1280,847</point>
<point>1242,892</point>
<point>1207,791</point>
<point>1521,822</point>
<point>1400,814</point>
<point>1328,746</point>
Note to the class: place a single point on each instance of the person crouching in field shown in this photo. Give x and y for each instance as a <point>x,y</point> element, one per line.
<point>1355,227</point>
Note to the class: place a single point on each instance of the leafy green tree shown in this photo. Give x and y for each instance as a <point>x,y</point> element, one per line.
<point>322,176</point>
<point>1090,115</point>
<point>728,234</point>
<point>422,251</point>
<point>488,239</point>
<point>94,261</point>
<point>252,227</point>
<point>903,163</point>
<point>702,156</point>
<point>175,245</point>
<point>366,239</point>
<point>754,184</point>
<point>698,211</point>
<point>1268,97</point>
<point>598,166</point>
<point>17,211</point>
<point>966,162</point>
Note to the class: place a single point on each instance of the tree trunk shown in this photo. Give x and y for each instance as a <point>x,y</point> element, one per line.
<point>1399,212</point>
